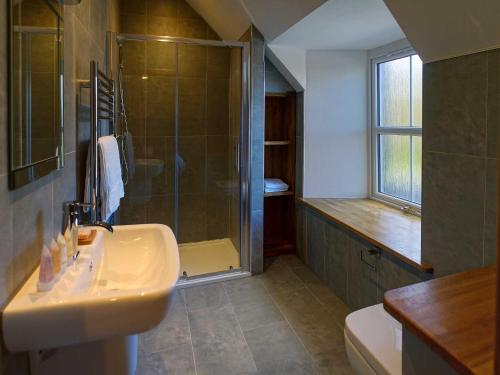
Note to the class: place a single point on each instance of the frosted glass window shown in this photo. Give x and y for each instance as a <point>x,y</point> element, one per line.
<point>397,128</point>
<point>395,165</point>
<point>394,92</point>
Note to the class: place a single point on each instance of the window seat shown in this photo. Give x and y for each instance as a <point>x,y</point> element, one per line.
<point>385,227</point>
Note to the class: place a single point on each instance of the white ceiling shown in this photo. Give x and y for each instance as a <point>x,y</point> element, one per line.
<point>344,25</point>
<point>231,18</point>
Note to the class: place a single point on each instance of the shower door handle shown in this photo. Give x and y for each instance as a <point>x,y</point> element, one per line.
<point>237,157</point>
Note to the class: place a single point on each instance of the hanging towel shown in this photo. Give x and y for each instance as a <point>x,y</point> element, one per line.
<point>111,184</point>
<point>273,185</point>
<point>111,189</point>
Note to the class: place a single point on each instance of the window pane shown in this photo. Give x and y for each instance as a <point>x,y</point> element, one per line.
<point>416,91</point>
<point>394,92</point>
<point>394,166</point>
<point>416,183</point>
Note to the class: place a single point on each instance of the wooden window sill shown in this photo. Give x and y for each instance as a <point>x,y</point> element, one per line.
<point>385,227</point>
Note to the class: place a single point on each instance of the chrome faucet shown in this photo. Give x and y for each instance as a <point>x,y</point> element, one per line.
<point>73,217</point>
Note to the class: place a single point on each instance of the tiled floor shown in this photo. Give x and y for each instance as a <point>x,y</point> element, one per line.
<point>285,321</point>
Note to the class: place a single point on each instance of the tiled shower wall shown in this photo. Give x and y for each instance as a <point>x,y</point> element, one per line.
<point>461,116</point>
<point>31,215</point>
<point>204,142</point>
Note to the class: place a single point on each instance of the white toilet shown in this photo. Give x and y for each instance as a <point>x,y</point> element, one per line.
<point>373,341</point>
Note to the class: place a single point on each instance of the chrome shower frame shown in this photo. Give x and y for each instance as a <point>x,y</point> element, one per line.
<point>113,40</point>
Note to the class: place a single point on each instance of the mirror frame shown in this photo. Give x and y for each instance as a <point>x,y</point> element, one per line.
<point>25,174</point>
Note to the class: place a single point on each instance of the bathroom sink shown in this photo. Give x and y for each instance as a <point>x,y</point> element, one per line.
<point>120,285</point>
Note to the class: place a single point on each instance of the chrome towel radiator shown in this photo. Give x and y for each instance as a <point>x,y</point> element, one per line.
<point>102,121</point>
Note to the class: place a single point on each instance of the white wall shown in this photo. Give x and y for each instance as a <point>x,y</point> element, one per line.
<point>293,59</point>
<point>335,128</point>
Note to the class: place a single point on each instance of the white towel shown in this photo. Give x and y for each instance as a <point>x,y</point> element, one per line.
<point>111,184</point>
<point>111,189</point>
<point>274,185</point>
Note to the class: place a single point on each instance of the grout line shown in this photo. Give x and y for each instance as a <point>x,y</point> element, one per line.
<point>189,329</point>
<point>288,321</point>
<point>239,326</point>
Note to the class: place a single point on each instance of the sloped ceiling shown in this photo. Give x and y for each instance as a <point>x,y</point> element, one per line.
<point>231,18</point>
<point>448,28</point>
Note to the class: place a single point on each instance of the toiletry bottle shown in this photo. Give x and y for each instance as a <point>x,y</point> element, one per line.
<point>64,251</point>
<point>55,252</point>
<point>46,274</point>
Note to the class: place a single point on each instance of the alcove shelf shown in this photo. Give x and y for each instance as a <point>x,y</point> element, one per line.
<point>279,162</point>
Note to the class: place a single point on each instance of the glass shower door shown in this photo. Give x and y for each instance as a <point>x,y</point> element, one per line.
<point>150,91</point>
<point>207,169</point>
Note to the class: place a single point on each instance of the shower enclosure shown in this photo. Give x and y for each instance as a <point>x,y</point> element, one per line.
<point>184,138</point>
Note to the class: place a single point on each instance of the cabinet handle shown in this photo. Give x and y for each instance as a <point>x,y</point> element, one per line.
<point>371,252</point>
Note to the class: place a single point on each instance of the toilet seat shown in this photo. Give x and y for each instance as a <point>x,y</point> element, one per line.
<point>373,342</point>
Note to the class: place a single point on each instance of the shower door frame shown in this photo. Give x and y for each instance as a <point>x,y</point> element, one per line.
<point>113,38</point>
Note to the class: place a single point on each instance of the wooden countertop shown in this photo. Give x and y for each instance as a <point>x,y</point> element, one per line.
<point>454,315</point>
<point>385,227</point>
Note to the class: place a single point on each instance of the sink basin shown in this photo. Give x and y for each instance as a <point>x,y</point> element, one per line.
<point>120,285</point>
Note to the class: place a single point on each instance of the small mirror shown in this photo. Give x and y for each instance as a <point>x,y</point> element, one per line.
<point>36,89</point>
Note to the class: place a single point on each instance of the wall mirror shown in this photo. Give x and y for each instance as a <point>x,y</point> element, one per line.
<point>36,89</point>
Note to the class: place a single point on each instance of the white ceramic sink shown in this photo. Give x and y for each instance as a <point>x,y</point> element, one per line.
<point>120,285</point>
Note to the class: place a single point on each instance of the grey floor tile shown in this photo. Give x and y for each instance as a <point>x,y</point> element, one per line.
<point>276,350</point>
<point>316,327</point>
<point>205,296</point>
<point>177,360</point>
<point>291,260</point>
<point>324,294</point>
<point>248,290</point>
<point>218,343</point>
<point>254,315</point>
<point>171,332</point>
<point>279,278</point>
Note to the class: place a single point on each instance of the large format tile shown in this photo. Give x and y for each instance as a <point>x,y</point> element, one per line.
<point>453,212</point>
<point>171,332</point>
<point>276,350</point>
<point>218,343</point>
<point>493,114</point>
<point>211,296</point>
<point>336,260</point>
<point>177,360</point>
<point>454,105</point>
<point>325,295</point>
<point>490,212</point>
<point>314,325</point>
<point>279,278</point>
<point>316,244</point>
<point>6,239</point>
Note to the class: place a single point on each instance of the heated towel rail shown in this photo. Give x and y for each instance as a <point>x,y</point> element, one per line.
<point>102,119</point>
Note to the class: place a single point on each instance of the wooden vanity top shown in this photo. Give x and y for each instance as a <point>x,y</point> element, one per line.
<point>454,315</point>
<point>385,227</point>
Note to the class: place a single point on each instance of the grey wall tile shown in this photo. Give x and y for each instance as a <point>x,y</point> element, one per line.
<point>361,278</point>
<point>64,190</point>
<point>336,260</point>
<point>301,233</point>
<point>493,114</point>
<point>490,212</point>
<point>3,93</point>
<point>393,274</point>
<point>316,244</point>
<point>453,209</point>
<point>257,241</point>
<point>454,105</point>
<point>275,82</point>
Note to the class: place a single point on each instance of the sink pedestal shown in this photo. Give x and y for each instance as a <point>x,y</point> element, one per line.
<point>117,356</point>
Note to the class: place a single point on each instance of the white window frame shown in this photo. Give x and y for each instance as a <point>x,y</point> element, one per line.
<point>374,131</point>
